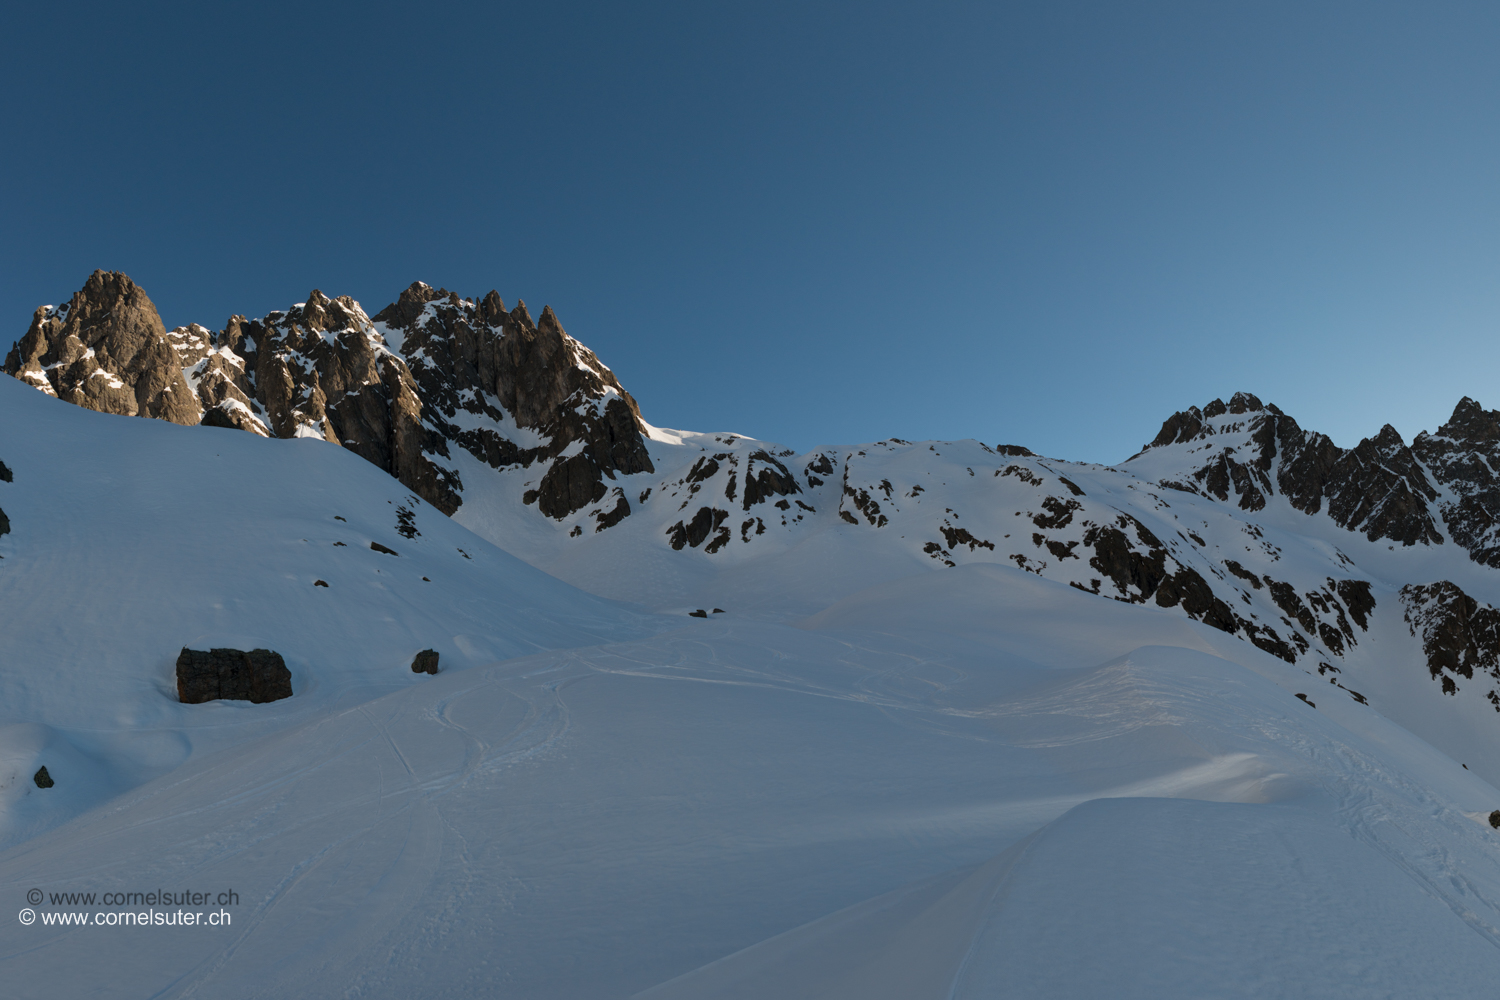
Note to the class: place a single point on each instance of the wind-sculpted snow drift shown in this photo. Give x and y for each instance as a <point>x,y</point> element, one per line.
<point>1219,720</point>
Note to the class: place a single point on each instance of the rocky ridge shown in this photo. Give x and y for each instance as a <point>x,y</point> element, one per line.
<point>430,374</point>
<point>106,350</point>
<point>1247,452</point>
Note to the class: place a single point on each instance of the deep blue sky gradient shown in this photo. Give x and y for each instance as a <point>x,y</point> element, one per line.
<point>1050,224</point>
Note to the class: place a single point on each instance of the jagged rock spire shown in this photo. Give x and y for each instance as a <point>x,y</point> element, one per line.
<point>477,365</point>
<point>105,350</point>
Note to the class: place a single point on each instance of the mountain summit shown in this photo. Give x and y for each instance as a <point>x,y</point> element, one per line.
<point>1442,487</point>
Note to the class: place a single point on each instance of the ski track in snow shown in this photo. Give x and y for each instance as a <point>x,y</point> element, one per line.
<point>1250,742</point>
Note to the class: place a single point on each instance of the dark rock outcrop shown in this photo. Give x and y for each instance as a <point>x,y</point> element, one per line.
<point>1459,635</point>
<point>1377,488</point>
<point>606,519</point>
<point>42,778</point>
<point>1307,463</point>
<point>766,477</point>
<point>259,675</point>
<point>1134,559</point>
<point>708,521</point>
<point>1197,598</point>
<point>1358,599</point>
<point>570,484</point>
<point>1136,569</point>
<point>1382,488</point>
<point>1463,456</point>
<point>425,662</point>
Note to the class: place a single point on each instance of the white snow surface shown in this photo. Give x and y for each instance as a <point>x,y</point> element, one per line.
<point>871,776</point>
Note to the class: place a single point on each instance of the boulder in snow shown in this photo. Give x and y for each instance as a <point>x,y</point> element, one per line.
<point>258,676</point>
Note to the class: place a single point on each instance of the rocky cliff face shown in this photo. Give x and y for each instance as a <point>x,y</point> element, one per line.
<point>1462,458</point>
<point>321,369</point>
<point>1460,636</point>
<point>105,350</point>
<point>431,373</point>
<point>511,392</point>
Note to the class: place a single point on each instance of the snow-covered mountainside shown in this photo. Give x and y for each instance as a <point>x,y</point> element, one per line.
<point>715,718</point>
<point>128,540</point>
<point>1233,515</point>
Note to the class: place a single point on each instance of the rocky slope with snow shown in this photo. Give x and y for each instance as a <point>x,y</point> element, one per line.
<point>430,374</point>
<point>1233,515</point>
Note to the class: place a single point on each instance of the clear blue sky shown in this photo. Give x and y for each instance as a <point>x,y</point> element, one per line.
<point>1051,224</point>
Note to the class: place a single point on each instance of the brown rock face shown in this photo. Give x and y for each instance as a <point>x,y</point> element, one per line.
<point>319,369</point>
<point>391,390</point>
<point>258,676</point>
<point>425,662</point>
<point>475,364</point>
<point>106,350</point>
<point>224,388</point>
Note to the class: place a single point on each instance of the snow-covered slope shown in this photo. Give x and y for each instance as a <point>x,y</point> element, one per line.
<point>1120,813</point>
<point>1349,611</point>
<point>131,539</point>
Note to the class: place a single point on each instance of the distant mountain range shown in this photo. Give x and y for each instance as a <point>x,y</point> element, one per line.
<point>1233,514</point>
